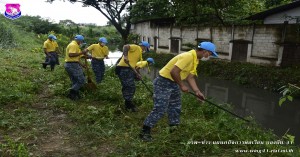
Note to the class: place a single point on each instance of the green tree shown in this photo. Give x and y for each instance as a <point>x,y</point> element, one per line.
<point>274,3</point>
<point>114,11</point>
<point>151,9</point>
<point>37,24</point>
<point>215,11</point>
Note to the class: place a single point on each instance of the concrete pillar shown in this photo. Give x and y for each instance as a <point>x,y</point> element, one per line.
<point>230,51</point>
<point>279,58</point>
<point>249,51</point>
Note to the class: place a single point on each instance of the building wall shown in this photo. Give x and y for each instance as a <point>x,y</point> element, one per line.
<point>279,18</point>
<point>222,36</point>
<point>163,37</point>
<point>263,47</point>
<point>264,41</point>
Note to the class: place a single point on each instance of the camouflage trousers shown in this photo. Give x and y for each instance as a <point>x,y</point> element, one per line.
<point>167,98</point>
<point>76,75</point>
<point>127,78</point>
<point>52,59</point>
<point>98,68</point>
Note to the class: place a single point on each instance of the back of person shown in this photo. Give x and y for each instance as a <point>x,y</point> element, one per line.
<point>134,55</point>
<point>183,61</point>
<point>74,48</point>
<point>98,52</point>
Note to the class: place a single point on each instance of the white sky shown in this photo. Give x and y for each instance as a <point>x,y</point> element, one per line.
<point>58,10</point>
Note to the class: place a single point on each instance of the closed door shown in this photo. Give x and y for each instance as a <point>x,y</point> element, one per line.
<point>291,55</point>
<point>174,46</point>
<point>239,52</point>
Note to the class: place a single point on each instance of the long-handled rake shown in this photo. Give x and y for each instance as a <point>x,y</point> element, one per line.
<point>141,78</point>
<point>90,85</point>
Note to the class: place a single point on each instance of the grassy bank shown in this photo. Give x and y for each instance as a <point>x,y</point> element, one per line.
<point>247,74</point>
<point>36,118</point>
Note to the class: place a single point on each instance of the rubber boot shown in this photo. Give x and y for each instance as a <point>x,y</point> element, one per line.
<point>173,128</point>
<point>77,95</point>
<point>72,94</point>
<point>145,134</point>
<point>44,65</point>
<point>130,106</point>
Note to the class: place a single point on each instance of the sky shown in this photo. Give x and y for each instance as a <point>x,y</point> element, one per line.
<point>58,10</point>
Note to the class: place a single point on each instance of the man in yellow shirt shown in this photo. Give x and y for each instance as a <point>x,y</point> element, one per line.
<point>167,86</point>
<point>50,47</point>
<point>74,67</point>
<point>146,63</point>
<point>131,55</point>
<point>99,52</point>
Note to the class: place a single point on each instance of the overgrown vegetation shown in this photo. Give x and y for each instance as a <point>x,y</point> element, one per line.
<point>6,36</point>
<point>36,118</point>
<point>65,31</point>
<point>202,12</point>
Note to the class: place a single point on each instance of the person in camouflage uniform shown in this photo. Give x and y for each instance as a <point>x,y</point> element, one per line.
<point>50,48</point>
<point>99,53</point>
<point>126,71</point>
<point>74,67</point>
<point>167,86</point>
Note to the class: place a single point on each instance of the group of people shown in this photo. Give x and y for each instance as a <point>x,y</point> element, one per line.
<point>167,86</point>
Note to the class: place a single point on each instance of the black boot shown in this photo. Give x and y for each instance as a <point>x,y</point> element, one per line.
<point>44,65</point>
<point>173,128</point>
<point>72,94</point>
<point>77,95</point>
<point>145,134</point>
<point>52,65</point>
<point>130,106</point>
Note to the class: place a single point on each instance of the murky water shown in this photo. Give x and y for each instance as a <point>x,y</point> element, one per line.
<point>258,103</point>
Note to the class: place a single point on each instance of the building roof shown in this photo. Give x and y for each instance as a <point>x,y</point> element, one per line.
<point>158,20</point>
<point>264,14</point>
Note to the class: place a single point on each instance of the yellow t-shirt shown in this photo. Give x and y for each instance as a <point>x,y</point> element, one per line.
<point>49,46</point>
<point>98,51</point>
<point>184,61</point>
<point>55,44</point>
<point>134,55</point>
<point>73,47</point>
<point>142,64</point>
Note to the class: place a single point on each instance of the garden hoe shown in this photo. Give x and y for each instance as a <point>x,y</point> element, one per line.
<point>90,85</point>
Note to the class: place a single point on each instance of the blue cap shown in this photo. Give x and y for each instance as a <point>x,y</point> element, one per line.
<point>209,47</point>
<point>51,36</point>
<point>146,44</point>
<point>103,40</point>
<point>151,60</point>
<point>79,37</point>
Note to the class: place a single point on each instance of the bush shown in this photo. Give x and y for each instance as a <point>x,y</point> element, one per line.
<point>160,59</point>
<point>6,37</point>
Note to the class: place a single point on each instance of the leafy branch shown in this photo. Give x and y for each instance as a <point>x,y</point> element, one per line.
<point>287,93</point>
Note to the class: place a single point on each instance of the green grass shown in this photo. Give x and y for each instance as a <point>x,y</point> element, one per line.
<point>36,118</point>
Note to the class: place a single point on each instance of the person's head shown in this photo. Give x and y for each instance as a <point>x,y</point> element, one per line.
<point>103,41</point>
<point>145,46</point>
<point>51,37</point>
<point>150,61</point>
<point>79,39</point>
<point>205,50</point>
